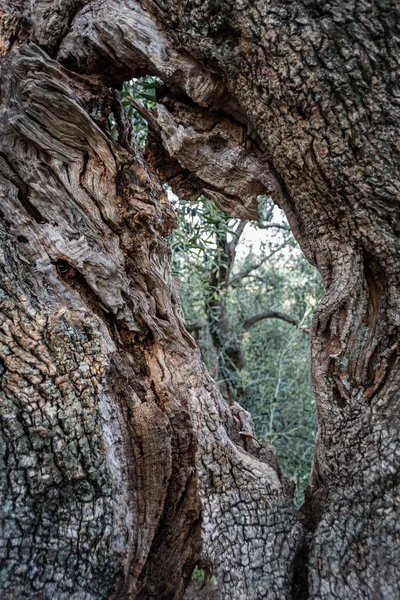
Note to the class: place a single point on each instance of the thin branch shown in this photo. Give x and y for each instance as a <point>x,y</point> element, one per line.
<point>263,280</point>
<point>228,250</point>
<point>273,314</point>
<point>149,115</point>
<point>240,227</point>
<point>249,270</point>
<point>273,225</point>
<point>196,325</point>
<point>236,238</point>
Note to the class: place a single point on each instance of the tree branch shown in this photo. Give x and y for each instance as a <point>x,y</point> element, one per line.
<point>273,225</point>
<point>252,268</point>
<point>196,325</point>
<point>273,314</point>
<point>236,238</point>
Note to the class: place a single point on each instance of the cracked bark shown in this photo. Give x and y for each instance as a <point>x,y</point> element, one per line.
<point>121,464</point>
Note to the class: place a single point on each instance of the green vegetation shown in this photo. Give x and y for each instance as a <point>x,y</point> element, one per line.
<point>271,379</point>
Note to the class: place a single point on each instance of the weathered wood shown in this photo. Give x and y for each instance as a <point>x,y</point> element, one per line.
<point>121,459</point>
<point>316,80</point>
<point>121,462</point>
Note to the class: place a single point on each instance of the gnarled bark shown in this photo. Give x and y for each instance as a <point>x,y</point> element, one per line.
<point>121,461</point>
<point>317,83</point>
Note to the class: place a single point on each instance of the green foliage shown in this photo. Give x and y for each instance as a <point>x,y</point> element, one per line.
<point>276,377</point>
<point>142,92</point>
<point>275,381</point>
<point>199,576</point>
<point>193,242</point>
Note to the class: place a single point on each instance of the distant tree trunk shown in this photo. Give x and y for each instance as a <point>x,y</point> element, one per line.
<point>230,358</point>
<point>122,466</point>
<point>226,342</point>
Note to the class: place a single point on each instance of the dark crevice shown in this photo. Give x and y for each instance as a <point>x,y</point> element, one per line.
<point>389,367</point>
<point>340,400</point>
<point>23,192</point>
<point>22,239</point>
<point>299,588</point>
<point>32,211</point>
<point>315,498</point>
<point>376,284</point>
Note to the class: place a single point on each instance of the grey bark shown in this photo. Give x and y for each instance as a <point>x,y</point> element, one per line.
<point>121,462</point>
<point>120,458</point>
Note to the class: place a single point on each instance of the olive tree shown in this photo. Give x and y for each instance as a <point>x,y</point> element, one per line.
<point>122,465</point>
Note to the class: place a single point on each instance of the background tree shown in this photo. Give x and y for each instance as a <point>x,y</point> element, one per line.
<point>205,245</point>
<point>257,363</point>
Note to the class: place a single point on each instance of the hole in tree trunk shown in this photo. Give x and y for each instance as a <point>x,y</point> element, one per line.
<point>227,278</point>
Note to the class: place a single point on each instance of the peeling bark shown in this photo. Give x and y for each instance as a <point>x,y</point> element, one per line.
<point>121,462</point>
<point>115,439</point>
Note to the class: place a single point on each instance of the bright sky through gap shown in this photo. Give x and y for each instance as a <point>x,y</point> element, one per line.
<point>252,237</point>
<point>255,237</point>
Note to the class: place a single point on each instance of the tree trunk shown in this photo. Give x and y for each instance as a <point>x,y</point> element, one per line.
<point>230,357</point>
<point>122,464</point>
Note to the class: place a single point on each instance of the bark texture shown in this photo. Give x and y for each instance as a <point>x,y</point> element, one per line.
<point>114,439</point>
<point>121,462</point>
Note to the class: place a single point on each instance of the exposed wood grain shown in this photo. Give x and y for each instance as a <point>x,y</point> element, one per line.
<point>121,462</point>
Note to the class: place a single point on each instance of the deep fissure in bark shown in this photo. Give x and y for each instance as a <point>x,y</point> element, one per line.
<point>299,587</point>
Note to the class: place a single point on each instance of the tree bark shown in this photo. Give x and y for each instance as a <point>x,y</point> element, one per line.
<point>121,463</point>
<point>120,459</point>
